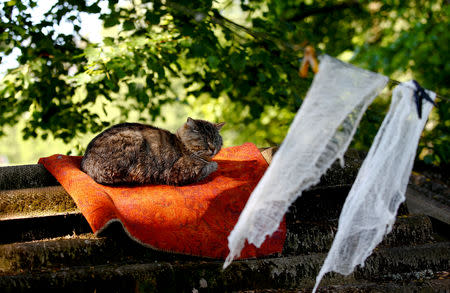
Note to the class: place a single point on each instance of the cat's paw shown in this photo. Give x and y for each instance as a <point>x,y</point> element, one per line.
<point>208,169</point>
<point>213,166</point>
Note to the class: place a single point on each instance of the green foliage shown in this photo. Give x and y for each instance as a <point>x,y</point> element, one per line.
<point>413,40</point>
<point>188,52</point>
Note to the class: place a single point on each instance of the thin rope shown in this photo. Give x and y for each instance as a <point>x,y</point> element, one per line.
<point>442,98</point>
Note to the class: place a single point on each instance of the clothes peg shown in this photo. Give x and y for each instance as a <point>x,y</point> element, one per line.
<point>420,95</point>
<point>309,58</point>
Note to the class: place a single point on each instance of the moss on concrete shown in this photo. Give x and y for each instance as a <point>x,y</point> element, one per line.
<point>35,202</point>
<point>402,264</point>
<point>86,249</point>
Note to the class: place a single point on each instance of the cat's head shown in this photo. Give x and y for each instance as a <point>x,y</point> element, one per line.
<point>201,137</point>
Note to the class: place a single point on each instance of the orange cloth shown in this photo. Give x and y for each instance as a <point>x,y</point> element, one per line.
<point>194,219</point>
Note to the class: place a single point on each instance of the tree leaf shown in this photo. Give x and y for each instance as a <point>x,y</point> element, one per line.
<point>213,62</point>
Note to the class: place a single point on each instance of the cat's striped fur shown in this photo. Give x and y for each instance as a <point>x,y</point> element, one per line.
<point>133,153</point>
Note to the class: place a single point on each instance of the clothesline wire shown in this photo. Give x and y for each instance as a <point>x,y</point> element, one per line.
<point>442,98</point>
<point>223,21</point>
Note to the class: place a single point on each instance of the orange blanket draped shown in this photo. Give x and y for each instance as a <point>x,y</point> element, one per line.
<point>194,219</point>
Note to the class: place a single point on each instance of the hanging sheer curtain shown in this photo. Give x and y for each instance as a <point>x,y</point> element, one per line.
<point>371,206</point>
<point>320,134</point>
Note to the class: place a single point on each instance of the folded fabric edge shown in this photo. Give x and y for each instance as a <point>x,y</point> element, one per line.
<point>100,231</point>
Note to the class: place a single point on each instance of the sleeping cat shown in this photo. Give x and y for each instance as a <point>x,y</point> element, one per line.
<point>133,153</point>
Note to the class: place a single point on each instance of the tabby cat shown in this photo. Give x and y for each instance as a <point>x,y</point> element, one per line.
<point>133,153</point>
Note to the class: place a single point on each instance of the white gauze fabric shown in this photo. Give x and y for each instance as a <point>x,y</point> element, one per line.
<point>320,133</point>
<point>371,206</point>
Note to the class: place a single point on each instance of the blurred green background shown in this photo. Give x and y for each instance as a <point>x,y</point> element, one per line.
<point>70,69</point>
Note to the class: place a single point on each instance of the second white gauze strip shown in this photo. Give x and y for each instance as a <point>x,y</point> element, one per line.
<point>371,206</point>
<point>320,133</point>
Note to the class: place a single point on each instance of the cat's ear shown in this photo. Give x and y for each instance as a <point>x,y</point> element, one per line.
<point>219,125</point>
<point>190,122</point>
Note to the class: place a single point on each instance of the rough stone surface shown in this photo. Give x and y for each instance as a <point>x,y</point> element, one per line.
<point>116,246</point>
<point>409,230</point>
<point>287,272</point>
<point>423,286</point>
<point>406,262</point>
<point>25,176</point>
<point>30,202</point>
<point>75,250</point>
<point>420,202</point>
<point>35,228</point>
<point>336,176</point>
<point>304,237</point>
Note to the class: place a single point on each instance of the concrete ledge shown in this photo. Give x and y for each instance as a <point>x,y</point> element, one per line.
<point>116,247</point>
<point>36,228</point>
<point>305,237</point>
<point>424,285</point>
<point>420,202</point>
<point>25,176</point>
<point>287,272</point>
<point>32,202</point>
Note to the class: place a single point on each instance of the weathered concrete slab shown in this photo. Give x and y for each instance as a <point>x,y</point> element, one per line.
<point>86,249</point>
<point>305,237</point>
<point>431,286</point>
<point>407,263</point>
<point>25,176</point>
<point>32,202</point>
<point>36,228</point>
<point>336,176</point>
<point>435,206</point>
<point>77,250</point>
<point>409,230</point>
